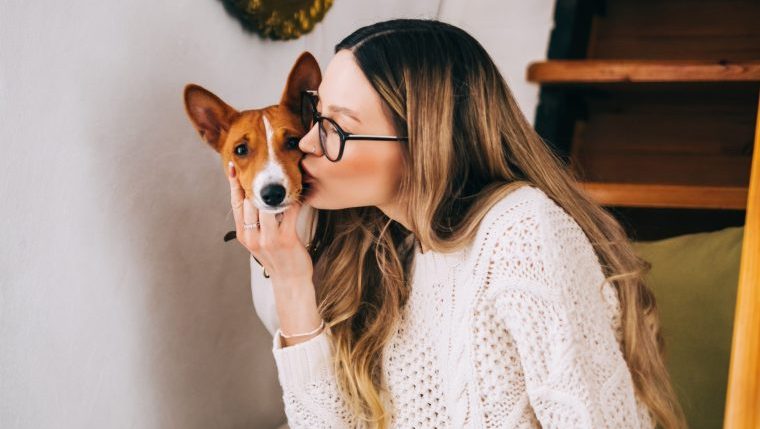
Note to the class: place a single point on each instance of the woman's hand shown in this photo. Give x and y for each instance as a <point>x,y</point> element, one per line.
<point>275,243</point>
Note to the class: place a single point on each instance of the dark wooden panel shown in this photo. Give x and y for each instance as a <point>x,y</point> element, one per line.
<point>677,29</point>
<point>655,224</point>
<point>702,137</point>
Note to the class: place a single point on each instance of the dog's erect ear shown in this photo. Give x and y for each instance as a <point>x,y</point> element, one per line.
<point>305,74</point>
<point>209,114</point>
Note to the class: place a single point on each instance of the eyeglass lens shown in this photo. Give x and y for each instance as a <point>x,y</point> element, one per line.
<point>329,137</point>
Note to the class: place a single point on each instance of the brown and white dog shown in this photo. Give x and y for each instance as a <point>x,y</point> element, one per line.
<point>261,143</point>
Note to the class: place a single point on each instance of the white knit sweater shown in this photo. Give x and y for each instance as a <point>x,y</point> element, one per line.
<point>517,331</point>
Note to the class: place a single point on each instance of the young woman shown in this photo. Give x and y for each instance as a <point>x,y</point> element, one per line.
<point>457,276</point>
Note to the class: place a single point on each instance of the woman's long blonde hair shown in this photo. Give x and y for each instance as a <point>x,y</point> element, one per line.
<point>469,145</point>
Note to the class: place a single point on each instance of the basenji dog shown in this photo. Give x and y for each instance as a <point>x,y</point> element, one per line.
<point>261,143</point>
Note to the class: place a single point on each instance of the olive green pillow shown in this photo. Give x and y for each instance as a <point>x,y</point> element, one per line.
<point>694,278</point>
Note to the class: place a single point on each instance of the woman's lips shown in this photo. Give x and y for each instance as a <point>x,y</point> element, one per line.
<point>308,182</point>
<point>306,176</point>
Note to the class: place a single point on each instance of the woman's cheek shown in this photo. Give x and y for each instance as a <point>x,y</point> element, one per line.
<point>370,159</point>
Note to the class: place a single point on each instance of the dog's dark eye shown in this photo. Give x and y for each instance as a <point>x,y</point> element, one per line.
<point>242,149</point>
<point>292,143</point>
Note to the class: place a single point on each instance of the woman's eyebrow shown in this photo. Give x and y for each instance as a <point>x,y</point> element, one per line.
<point>345,110</point>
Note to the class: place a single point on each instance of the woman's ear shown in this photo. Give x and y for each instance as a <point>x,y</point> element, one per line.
<point>210,115</point>
<point>305,74</point>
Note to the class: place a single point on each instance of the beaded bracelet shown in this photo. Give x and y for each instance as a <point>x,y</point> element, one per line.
<point>321,325</point>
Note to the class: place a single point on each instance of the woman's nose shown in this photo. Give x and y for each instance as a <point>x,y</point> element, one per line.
<point>310,142</point>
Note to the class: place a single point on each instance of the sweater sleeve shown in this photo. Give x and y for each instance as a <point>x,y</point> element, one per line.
<point>551,299</point>
<point>310,389</point>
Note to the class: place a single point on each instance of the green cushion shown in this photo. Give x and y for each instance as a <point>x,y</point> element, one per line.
<point>694,278</point>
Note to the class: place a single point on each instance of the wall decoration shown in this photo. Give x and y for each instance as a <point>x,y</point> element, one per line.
<point>278,19</point>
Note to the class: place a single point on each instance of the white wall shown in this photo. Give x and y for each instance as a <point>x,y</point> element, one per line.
<point>120,306</point>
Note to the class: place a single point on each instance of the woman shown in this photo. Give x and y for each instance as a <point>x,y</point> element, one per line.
<point>457,275</point>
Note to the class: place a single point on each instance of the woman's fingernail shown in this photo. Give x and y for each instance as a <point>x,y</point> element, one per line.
<point>231,167</point>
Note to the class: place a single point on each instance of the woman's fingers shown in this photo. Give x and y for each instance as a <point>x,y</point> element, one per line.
<point>288,225</point>
<point>237,195</point>
<point>274,230</point>
<point>250,217</point>
<point>269,227</point>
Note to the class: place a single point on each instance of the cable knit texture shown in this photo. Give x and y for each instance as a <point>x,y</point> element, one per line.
<point>519,330</point>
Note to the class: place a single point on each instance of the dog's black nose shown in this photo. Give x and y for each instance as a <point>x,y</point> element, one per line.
<point>273,194</point>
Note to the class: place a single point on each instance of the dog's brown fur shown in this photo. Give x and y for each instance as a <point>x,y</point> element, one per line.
<point>224,128</point>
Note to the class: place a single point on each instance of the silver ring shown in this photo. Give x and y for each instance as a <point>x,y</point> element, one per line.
<point>250,226</point>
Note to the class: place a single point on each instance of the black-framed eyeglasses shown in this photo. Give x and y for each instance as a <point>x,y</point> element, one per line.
<point>332,137</point>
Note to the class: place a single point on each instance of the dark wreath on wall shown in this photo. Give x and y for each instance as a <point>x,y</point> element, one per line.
<point>278,19</point>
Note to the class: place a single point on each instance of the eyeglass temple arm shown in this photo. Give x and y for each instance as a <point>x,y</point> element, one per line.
<point>362,136</point>
<point>375,137</point>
